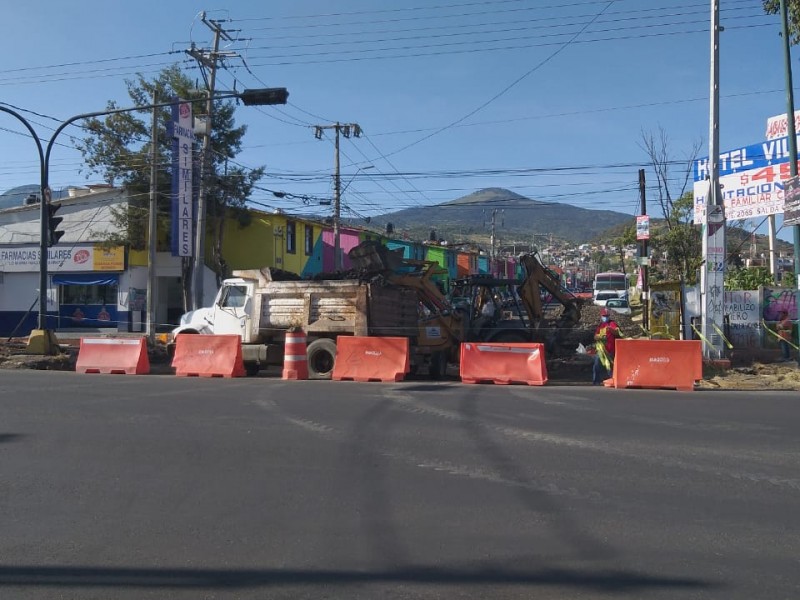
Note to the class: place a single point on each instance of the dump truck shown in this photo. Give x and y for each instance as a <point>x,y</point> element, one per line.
<point>376,302</point>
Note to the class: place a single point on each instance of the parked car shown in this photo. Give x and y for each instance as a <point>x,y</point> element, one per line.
<point>618,305</point>
<point>603,297</point>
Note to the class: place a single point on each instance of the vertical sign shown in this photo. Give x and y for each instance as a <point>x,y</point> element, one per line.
<point>182,171</point>
<point>791,201</point>
<point>643,227</point>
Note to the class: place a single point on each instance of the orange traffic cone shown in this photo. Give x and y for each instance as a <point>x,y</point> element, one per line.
<point>295,358</point>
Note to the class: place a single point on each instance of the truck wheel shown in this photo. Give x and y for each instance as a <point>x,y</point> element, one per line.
<point>252,368</point>
<point>438,366</point>
<point>321,358</point>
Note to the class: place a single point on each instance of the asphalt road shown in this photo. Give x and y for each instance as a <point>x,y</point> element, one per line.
<point>166,487</point>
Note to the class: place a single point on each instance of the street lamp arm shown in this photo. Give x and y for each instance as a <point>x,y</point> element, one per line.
<point>116,111</point>
<point>28,126</point>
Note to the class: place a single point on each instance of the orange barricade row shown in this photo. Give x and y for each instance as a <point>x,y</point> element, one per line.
<point>503,363</point>
<point>674,364</point>
<point>295,356</point>
<point>108,355</point>
<point>361,358</point>
<point>208,355</point>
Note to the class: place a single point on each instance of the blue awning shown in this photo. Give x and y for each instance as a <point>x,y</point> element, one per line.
<point>86,279</point>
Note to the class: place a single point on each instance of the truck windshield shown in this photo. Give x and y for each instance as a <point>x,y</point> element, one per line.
<point>234,296</point>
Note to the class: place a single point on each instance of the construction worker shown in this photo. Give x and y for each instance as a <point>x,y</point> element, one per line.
<point>605,337</point>
<point>784,329</point>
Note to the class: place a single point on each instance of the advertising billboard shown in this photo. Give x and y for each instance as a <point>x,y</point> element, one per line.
<point>751,180</point>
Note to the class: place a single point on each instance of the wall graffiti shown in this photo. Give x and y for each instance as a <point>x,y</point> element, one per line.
<point>743,311</point>
<point>777,300</point>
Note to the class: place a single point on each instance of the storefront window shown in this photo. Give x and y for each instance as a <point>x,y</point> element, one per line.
<point>88,305</point>
<point>89,294</point>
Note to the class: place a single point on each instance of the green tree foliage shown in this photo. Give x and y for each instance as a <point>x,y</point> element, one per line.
<point>117,148</point>
<point>789,280</point>
<point>772,7</point>
<point>748,279</point>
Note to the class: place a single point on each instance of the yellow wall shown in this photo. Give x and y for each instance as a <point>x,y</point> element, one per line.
<point>263,243</point>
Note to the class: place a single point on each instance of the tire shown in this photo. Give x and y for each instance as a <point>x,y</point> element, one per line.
<point>251,369</point>
<point>438,366</point>
<point>321,358</point>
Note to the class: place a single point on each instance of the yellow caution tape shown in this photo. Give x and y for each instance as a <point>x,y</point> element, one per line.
<point>777,336</point>
<point>701,336</point>
<point>722,335</point>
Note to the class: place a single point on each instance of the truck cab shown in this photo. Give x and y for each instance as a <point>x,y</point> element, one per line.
<point>232,312</point>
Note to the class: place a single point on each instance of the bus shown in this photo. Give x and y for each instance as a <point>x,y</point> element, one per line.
<point>609,285</point>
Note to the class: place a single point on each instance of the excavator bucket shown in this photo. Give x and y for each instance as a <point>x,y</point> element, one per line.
<point>374,257</point>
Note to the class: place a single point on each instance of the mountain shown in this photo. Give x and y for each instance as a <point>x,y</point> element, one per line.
<point>517,217</point>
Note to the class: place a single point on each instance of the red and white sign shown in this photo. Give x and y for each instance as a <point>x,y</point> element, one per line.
<point>643,227</point>
<point>778,126</point>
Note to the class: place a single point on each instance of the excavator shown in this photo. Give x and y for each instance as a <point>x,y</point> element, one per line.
<point>440,329</point>
<point>507,310</point>
<point>478,308</point>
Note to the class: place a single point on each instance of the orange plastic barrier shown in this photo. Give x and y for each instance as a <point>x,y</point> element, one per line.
<point>295,356</point>
<point>503,363</point>
<point>371,358</point>
<point>208,355</point>
<point>674,364</point>
<point>107,355</point>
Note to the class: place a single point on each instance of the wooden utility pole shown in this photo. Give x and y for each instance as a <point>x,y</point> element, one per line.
<point>208,60</point>
<point>346,129</point>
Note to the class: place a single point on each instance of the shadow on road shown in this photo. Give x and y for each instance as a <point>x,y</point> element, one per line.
<point>602,580</point>
<point>539,502</point>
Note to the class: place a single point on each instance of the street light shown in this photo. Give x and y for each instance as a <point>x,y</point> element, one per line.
<point>337,208</point>
<point>42,340</point>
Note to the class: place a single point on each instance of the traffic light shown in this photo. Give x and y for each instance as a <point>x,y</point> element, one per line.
<point>52,224</point>
<point>264,96</point>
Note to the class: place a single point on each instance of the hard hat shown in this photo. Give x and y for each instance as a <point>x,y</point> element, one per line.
<point>604,312</point>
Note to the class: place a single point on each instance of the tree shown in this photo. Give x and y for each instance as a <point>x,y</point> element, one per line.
<point>678,238</point>
<point>117,148</point>
<point>748,279</point>
<point>772,7</point>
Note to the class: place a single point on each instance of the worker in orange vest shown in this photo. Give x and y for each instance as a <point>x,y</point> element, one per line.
<point>605,337</point>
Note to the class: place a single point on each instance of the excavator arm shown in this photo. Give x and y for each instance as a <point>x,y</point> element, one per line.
<point>530,291</point>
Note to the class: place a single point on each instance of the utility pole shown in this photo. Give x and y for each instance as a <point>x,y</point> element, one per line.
<point>492,237</point>
<point>712,275</point>
<point>346,129</point>
<point>645,256</point>
<point>206,59</point>
<point>152,236</point>
<point>791,131</point>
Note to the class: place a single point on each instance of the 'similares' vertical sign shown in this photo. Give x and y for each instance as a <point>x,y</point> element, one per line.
<point>182,178</point>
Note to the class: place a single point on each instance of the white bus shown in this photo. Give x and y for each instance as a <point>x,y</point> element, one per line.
<point>609,285</point>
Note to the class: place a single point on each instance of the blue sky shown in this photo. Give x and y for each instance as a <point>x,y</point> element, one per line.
<point>547,98</point>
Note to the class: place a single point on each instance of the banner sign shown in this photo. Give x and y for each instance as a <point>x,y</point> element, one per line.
<point>751,180</point>
<point>79,258</point>
<point>643,227</point>
<point>778,126</point>
<point>182,178</point>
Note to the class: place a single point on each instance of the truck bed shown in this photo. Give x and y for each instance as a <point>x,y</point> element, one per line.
<point>334,307</point>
